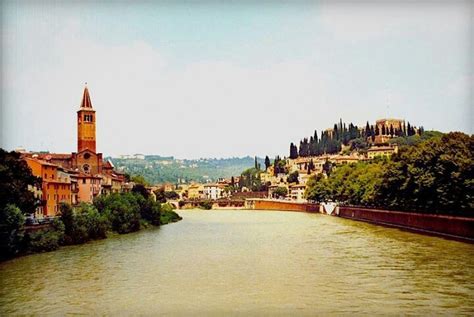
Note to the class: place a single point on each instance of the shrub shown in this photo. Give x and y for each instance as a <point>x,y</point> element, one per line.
<point>168,215</point>
<point>83,224</point>
<point>205,204</point>
<point>47,239</point>
<point>11,230</point>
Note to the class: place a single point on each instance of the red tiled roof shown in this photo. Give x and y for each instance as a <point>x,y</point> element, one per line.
<point>50,156</point>
<point>108,164</point>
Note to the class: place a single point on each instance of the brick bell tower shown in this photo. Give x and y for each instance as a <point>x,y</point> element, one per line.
<point>86,120</point>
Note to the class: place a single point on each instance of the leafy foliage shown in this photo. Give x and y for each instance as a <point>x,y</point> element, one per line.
<point>15,176</point>
<point>205,204</point>
<point>435,176</point>
<point>281,192</point>
<point>293,177</point>
<point>83,224</point>
<point>250,178</point>
<point>11,230</point>
<point>168,215</point>
<point>46,239</point>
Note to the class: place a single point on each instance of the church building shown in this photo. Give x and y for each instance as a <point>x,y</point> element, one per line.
<point>86,166</point>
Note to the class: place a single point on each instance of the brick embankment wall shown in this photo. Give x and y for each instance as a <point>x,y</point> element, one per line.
<point>460,228</point>
<point>283,205</point>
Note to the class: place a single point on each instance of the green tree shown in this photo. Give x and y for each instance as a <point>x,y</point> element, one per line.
<point>83,224</point>
<point>435,176</point>
<point>171,195</point>
<point>281,192</point>
<point>11,230</point>
<point>140,189</point>
<point>45,240</point>
<point>15,176</point>
<point>267,162</point>
<point>311,166</point>
<point>160,195</point>
<point>124,212</point>
<point>139,179</point>
<point>293,177</point>
<point>251,179</point>
<point>317,188</point>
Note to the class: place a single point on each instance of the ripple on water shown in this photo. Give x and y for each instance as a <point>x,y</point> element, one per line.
<point>250,263</point>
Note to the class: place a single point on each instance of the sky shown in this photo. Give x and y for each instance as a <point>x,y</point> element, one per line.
<point>207,79</point>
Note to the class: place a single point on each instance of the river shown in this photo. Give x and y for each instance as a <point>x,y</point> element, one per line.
<point>250,263</point>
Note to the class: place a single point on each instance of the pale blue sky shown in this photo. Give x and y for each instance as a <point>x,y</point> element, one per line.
<point>216,80</point>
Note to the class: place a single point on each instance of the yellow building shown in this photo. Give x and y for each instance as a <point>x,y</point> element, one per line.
<point>385,151</point>
<point>195,191</point>
<point>296,192</point>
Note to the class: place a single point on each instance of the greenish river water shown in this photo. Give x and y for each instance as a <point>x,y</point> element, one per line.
<point>250,263</point>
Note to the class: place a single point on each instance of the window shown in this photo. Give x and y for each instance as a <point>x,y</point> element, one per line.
<point>83,180</point>
<point>45,176</point>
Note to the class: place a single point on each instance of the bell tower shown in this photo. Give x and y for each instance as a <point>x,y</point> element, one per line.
<point>86,124</point>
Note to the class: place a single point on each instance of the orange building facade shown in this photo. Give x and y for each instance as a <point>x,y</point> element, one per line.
<point>56,185</point>
<point>79,176</point>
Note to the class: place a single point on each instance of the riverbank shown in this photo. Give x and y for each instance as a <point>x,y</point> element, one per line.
<point>451,227</point>
<point>120,213</point>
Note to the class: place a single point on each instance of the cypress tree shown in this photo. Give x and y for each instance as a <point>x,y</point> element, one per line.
<point>267,162</point>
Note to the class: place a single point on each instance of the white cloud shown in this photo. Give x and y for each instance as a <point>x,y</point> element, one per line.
<point>145,105</point>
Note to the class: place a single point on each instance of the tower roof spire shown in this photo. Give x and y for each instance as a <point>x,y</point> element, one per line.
<point>86,99</point>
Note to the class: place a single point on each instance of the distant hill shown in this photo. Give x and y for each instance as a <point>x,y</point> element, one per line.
<point>158,169</point>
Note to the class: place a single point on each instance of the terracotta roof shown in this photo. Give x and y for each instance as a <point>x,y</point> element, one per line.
<point>108,164</point>
<point>49,156</point>
<point>86,99</point>
<point>41,162</point>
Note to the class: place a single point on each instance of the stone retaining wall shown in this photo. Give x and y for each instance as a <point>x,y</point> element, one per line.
<point>455,227</point>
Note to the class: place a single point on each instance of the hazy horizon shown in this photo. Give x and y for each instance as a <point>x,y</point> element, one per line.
<point>229,80</point>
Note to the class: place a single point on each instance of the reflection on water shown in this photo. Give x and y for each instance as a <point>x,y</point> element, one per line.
<point>248,262</point>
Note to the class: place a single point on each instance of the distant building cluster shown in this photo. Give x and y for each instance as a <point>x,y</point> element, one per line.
<point>75,177</point>
<point>377,138</point>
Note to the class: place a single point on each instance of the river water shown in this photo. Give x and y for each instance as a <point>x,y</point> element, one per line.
<point>250,263</point>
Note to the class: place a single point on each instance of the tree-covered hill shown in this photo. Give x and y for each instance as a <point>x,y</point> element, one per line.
<point>157,169</point>
<point>431,175</point>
